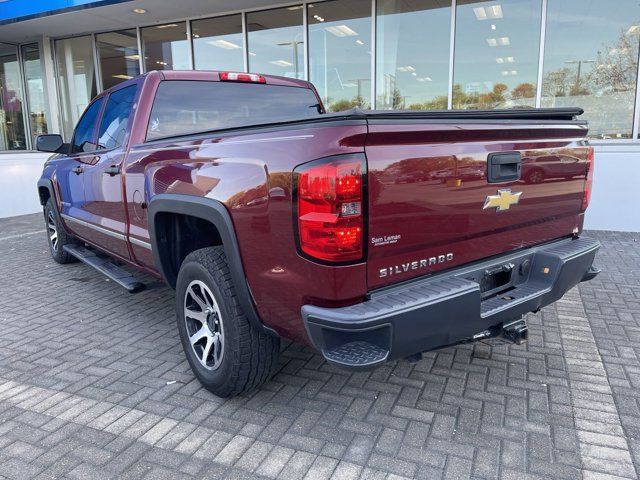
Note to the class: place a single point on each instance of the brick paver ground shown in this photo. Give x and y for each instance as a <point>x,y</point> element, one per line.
<point>94,384</point>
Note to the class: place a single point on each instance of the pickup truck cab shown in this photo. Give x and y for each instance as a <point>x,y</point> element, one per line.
<point>369,235</point>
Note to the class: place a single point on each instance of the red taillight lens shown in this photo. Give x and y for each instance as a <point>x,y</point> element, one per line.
<point>241,77</point>
<point>588,184</point>
<point>329,202</point>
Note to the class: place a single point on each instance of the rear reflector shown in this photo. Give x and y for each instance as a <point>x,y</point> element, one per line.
<point>588,184</point>
<point>241,77</point>
<point>329,203</point>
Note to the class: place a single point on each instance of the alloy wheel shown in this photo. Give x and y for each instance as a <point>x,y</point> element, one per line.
<point>204,325</point>
<point>52,230</point>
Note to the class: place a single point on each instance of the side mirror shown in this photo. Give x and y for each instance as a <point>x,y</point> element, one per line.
<point>49,143</point>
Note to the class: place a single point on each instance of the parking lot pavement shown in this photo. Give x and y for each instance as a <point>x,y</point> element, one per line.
<point>94,384</point>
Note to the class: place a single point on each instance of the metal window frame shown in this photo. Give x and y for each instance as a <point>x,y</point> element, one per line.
<point>542,47</point>
<point>245,42</point>
<point>96,63</point>
<point>374,49</point>
<point>192,62</point>
<point>452,49</point>
<point>25,100</point>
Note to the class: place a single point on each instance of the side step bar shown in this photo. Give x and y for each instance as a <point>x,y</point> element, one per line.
<point>106,266</point>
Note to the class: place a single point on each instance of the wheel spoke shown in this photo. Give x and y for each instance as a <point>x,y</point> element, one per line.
<point>199,335</point>
<point>198,300</point>
<point>199,316</point>
<point>206,350</point>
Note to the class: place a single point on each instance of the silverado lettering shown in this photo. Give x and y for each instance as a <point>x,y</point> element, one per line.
<point>256,205</point>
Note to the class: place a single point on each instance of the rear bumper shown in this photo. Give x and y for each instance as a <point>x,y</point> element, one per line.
<point>447,308</point>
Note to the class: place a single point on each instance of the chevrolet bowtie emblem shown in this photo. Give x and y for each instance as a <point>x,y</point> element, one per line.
<point>502,201</point>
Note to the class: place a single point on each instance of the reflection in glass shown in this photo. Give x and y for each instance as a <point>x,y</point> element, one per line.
<point>217,43</point>
<point>591,60</point>
<point>12,135</point>
<point>37,103</point>
<point>276,42</point>
<point>119,56</point>
<point>76,79</point>
<point>166,47</point>
<point>412,54</point>
<point>340,52</point>
<point>496,53</point>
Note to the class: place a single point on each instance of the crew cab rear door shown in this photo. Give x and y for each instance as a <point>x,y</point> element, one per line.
<point>104,206</point>
<point>433,204</point>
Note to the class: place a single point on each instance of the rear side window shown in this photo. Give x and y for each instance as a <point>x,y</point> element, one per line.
<point>83,139</point>
<point>115,119</point>
<point>185,106</point>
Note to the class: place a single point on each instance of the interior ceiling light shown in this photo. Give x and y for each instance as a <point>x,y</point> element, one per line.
<point>319,18</point>
<point>168,25</point>
<point>499,60</point>
<point>424,79</point>
<point>484,13</point>
<point>494,42</point>
<point>359,42</point>
<point>224,44</point>
<point>281,63</point>
<point>122,77</point>
<point>408,68</point>
<point>139,10</point>
<point>341,31</point>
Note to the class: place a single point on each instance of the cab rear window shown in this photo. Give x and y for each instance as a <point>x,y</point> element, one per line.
<point>184,107</point>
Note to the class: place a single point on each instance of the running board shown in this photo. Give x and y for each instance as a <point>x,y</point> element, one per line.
<point>106,266</point>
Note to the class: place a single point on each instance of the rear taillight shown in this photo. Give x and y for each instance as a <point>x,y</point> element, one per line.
<point>241,77</point>
<point>329,204</point>
<point>588,184</point>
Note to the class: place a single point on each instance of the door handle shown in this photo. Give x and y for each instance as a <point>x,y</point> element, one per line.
<point>112,170</point>
<point>77,170</point>
<point>503,167</point>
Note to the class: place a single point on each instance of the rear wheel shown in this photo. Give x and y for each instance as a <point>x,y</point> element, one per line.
<point>57,237</point>
<point>227,354</point>
<point>535,176</point>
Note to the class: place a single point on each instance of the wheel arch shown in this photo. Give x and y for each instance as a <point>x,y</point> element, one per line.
<point>45,191</point>
<point>215,213</point>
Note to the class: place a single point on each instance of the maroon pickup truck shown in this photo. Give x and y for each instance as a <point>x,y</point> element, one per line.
<point>369,235</point>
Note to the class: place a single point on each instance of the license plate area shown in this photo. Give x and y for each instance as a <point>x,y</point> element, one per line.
<point>497,280</point>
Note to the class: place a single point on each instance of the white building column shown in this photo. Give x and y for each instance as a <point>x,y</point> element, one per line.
<point>50,86</point>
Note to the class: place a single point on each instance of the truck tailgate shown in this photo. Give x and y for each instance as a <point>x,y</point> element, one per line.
<point>432,207</point>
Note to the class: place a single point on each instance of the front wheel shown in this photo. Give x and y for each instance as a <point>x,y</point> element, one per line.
<point>57,237</point>
<point>227,354</point>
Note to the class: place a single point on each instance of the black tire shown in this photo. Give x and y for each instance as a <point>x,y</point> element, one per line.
<point>249,356</point>
<point>62,238</point>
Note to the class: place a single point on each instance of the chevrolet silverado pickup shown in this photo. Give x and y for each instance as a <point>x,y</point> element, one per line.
<point>368,235</point>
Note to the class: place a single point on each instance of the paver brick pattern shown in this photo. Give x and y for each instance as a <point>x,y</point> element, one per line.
<point>94,384</point>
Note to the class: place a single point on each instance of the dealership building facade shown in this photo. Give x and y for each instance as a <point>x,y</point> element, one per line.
<point>385,54</point>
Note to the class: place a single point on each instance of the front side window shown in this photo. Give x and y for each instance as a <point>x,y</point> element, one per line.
<point>497,48</point>
<point>113,127</point>
<point>591,61</point>
<point>83,138</point>
<point>184,107</point>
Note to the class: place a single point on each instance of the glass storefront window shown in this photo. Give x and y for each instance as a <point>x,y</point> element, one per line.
<point>217,43</point>
<point>496,53</point>
<point>12,134</point>
<point>340,52</point>
<point>76,79</point>
<point>276,42</point>
<point>119,56</point>
<point>591,61</point>
<point>166,47</point>
<point>412,54</point>
<point>36,99</point>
